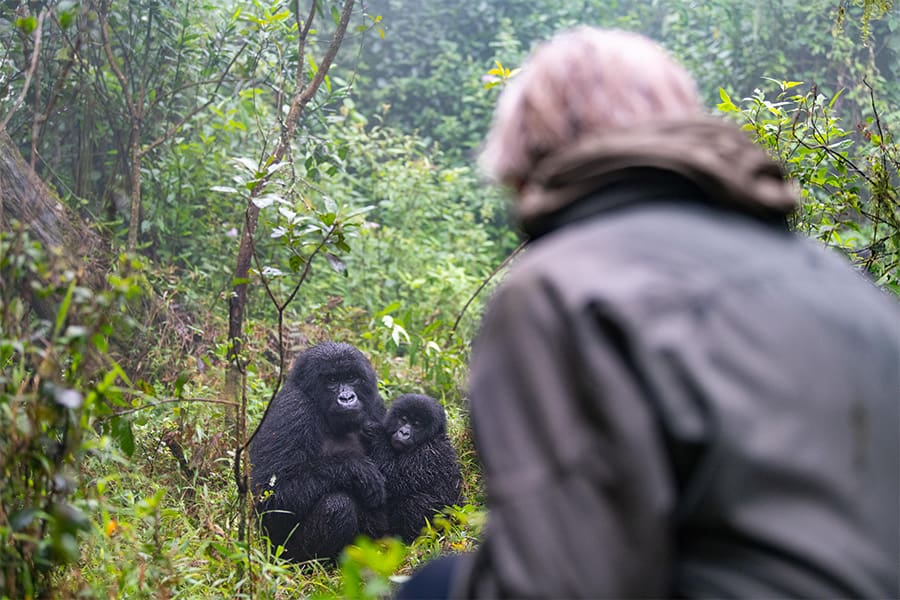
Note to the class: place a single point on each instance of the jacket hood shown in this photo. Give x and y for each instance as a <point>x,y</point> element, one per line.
<point>715,156</point>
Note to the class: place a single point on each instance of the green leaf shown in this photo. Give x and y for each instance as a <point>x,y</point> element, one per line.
<point>264,201</point>
<point>835,98</point>
<point>726,105</point>
<point>123,435</point>
<point>63,309</point>
<point>388,309</point>
<point>179,384</point>
<point>248,164</point>
<point>21,519</point>
<point>66,18</point>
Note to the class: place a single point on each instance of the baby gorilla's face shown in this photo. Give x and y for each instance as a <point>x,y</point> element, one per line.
<point>405,431</point>
<point>412,420</point>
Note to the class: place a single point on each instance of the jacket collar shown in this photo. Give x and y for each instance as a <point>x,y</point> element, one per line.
<point>705,159</point>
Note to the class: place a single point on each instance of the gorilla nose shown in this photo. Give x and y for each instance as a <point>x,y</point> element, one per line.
<point>347,398</point>
<point>403,432</point>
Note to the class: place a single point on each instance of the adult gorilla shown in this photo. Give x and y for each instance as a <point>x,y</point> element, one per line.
<point>315,487</point>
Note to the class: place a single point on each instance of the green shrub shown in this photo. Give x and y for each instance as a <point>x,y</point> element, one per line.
<point>849,177</point>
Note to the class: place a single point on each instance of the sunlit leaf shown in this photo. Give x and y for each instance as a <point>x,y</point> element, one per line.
<point>388,309</point>
<point>224,189</point>
<point>247,163</point>
<point>264,201</point>
<point>726,105</point>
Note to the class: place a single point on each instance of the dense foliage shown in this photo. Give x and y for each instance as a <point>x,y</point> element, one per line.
<point>175,129</point>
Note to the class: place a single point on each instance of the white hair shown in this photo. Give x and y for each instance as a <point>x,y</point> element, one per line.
<point>580,83</point>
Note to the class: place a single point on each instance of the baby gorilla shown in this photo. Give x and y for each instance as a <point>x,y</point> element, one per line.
<point>420,466</point>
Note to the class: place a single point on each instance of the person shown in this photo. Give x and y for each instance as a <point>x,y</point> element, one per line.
<point>671,394</point>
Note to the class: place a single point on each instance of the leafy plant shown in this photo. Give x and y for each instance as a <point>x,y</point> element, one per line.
<point>367,566</point>
<point>848,178</point>
<point>58,389</point>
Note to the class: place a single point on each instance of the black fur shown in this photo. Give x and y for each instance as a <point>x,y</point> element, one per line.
<point>315,486</point>
<point>420,466</point>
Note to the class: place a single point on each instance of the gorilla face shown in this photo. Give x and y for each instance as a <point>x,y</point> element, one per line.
<point>342,405</point>
<point>341,382</point>
<point>407,433</point>
<point>414,419</point>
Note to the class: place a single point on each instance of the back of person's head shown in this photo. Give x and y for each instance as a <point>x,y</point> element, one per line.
<point>581,83</point>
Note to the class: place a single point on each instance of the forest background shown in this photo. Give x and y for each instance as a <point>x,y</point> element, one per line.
<point>192,192</point>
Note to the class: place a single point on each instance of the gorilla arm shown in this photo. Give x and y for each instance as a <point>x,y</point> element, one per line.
<point>339,467</point>
<point>345,465</point>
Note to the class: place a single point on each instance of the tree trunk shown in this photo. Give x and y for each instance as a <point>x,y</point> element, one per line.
<point>26,200</point>
<point>27,203</point>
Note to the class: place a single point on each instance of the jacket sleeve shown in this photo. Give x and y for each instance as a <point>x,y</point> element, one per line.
<point>578,487</point>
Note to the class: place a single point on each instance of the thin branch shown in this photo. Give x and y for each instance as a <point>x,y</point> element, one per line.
<point>236,302</point>
<point>302,98</point>
<point>74,49</point>
<point>111,59</point>
<point>280,308</point>
<point>884,164</point>
<point>304,35</point>
<point>484,283</point>
<point>828,150</point>
<point>144,73</point>
<point>169,401</point>
<point>32,68</point>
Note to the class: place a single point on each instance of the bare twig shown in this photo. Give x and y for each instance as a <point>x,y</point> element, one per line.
<point>113,64</point>
<point>74,49</point>
<point>165,401</point>
<point>820,145</point>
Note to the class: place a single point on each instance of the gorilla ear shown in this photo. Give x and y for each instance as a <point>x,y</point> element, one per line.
<point>440,423</point>
<point>438,418</point>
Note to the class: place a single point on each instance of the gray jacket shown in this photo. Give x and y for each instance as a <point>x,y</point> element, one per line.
<point>673,396</point>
